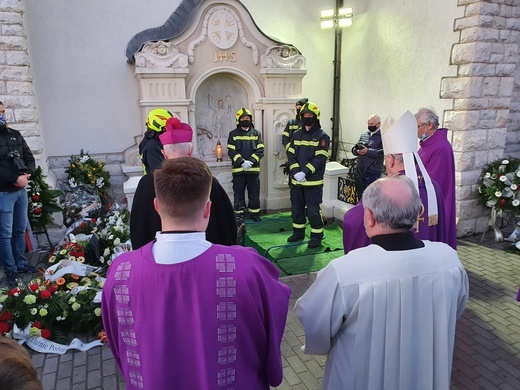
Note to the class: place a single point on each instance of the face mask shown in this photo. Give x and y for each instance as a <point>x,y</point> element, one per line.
<point>2,120</point>
<point>245,123</point>
<point>308,121</point>
<point>423,137</point>
<point>372,128</point>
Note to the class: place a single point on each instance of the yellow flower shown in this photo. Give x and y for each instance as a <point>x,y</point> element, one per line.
<point>97,311</point>
<point>52,259</point>
<point>80,259</point>
<point>34,332</point>
<point>43,312</point>
<point>29,299</point>
<point>76,306</point>
<point>73,165</point>
<point>3,297</point>
<point>72,300</point>
<point>63,251</point>
<point>72,258</point>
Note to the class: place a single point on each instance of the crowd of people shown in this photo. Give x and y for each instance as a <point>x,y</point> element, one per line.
<point>190,307</point>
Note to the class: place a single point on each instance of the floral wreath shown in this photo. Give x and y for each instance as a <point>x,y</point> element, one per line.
<point>84,170</point>
<point>498,185</point>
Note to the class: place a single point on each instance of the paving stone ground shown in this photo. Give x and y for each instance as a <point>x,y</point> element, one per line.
<point>487,345</point>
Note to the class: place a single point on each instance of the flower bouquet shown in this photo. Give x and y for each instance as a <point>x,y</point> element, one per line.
<point>84,170</point>
<point>498,189</point>
<point>42,201</point>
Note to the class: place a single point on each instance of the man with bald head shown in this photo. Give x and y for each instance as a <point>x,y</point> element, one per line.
<point>385,314</point>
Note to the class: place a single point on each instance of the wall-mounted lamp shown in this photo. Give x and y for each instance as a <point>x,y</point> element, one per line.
<point>219,152</point>
<point>343,18</point>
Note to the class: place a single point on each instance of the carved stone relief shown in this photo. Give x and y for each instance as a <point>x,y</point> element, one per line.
<point>280,179</point>
<point>217,100</point>
<point>160,54</point>
<point>284,56</point>
<point>222,26</point>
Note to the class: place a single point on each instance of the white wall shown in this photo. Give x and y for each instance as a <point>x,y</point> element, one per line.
<point>394,57</point>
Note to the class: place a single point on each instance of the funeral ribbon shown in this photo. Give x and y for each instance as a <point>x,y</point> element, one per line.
<point>39,344</point>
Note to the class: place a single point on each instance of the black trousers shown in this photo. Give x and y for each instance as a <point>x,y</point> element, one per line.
<point>252,183</point>
<point>307,199</point>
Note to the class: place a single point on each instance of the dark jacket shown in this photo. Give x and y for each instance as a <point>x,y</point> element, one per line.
<point>292,126</point>
<point>145,222</point>
<point>15,158</point>
<point>308,152</point>
<point>150,150</point>
<point>372,161</point>
<point>245,145</point>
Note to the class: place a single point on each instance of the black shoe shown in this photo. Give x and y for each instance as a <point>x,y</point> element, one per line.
<point>314,244</point>
<point>255,218</point>
<point>295,237</point>
<point>28,269</point>
<point>13,278</point>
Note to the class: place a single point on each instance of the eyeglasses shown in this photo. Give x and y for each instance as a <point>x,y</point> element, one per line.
<point>422,124</point>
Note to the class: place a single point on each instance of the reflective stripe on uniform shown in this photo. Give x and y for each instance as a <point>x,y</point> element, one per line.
<point>298,226</point>
<point>308,183</point>
<point>298,142</point>
<point>311,167</point>
<point>245,138</point>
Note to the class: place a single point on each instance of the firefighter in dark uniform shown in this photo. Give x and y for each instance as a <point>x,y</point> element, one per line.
<point>308,154</point>
<point>294,124</point>
<point>245,149</point>
<point>150,148</point>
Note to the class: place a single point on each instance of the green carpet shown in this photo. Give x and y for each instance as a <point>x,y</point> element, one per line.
<point>269,238</point>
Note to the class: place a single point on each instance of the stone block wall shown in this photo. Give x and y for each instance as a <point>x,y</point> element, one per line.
<point>486,99</point>
<point>16,88</point>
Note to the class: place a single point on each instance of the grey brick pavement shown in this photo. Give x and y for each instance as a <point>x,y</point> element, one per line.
<point>487,346</point>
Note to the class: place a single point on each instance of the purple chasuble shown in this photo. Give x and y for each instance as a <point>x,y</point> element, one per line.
<point>213,322</point>
<point>354,235</point>
<point>436,154</point>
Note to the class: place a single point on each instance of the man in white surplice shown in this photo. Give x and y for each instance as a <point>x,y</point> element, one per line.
<point>386,313</point>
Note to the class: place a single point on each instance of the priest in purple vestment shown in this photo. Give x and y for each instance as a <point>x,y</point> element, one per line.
<point>183,313</point>
<point>437,155</point>
<point>399,145</point>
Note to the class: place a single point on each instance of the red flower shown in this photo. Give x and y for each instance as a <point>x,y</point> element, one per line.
<point>503,202</point>
<point>35,197</point>
<point>46,333</point>
<point>4,327</point>
<point>45,294</point>
<point>5,316</point>
<point>37,324</point>
<point>15,290</point>
<point>38,210</point>
<point>52,289</point>
<point>33,287</point>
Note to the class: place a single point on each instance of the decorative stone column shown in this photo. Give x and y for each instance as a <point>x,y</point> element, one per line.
<point>486,104</point>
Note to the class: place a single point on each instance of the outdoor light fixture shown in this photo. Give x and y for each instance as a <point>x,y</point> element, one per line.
<point>336,18</point>
<point>343,18</point>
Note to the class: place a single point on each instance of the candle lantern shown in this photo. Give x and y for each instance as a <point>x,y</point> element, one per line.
<point>219,151</point>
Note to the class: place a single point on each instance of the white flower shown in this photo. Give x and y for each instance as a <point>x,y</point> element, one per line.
<point>34,311</point>
<point>84,159</point>
<point>503,178</point>
<point>505,162</point>
<point>106,252</point>
<point>100,182</point>
<point>117,241</point>
<point>72,183</point>
<point>514,187</point>
<point>516,202</point>
<point>518,173</point>
<point>487,175</point>
<point>498,194</point>
<point>97,311</point>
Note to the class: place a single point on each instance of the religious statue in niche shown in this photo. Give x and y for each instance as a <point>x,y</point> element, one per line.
<point>222,112</point>
<point>160,54</point>
<point>280,179</point>
<point>205,142</point>
<point>284,56</point>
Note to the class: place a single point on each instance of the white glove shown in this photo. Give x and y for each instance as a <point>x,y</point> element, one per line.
<point>247,165</point>
<point>300,176</point>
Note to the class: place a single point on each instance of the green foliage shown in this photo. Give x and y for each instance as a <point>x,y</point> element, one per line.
<point>42,201</point>
<point>84,170</point>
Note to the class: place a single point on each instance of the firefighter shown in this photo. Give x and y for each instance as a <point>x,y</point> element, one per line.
<point>150,148</point>
<point>245,149</point>
<point>308,153</point>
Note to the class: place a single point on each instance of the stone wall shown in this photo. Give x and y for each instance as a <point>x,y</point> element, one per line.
<point>16,88</point>
<point>486,103</point>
